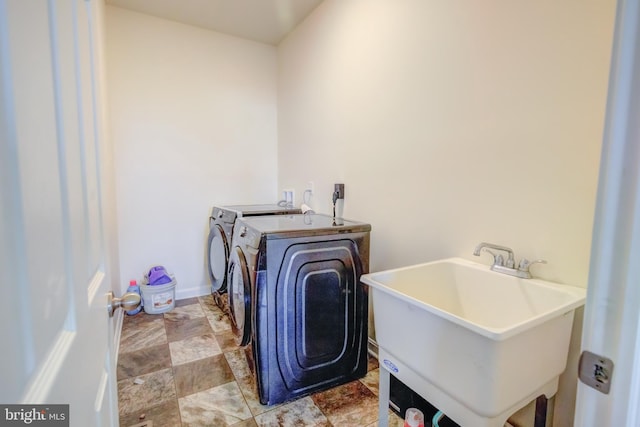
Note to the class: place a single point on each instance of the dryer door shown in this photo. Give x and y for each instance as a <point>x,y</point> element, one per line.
<point>240,297</point>
<point>218,254</point>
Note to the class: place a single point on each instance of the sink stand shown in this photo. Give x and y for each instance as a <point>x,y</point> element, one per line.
<point>440,399</point>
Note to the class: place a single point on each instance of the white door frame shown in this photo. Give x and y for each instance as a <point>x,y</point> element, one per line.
<point>612,311</point>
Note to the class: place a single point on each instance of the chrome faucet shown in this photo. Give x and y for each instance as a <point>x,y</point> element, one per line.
<point>508,266</point>
<point>497,259</point>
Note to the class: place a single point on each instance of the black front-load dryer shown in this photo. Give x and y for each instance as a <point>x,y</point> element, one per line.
<point>296,300</point>
<point>221,223</point>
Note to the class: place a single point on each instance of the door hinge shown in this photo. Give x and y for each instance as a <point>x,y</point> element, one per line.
<point>595,371</point>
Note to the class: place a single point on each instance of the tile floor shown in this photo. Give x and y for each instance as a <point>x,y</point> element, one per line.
<point>182,368</point>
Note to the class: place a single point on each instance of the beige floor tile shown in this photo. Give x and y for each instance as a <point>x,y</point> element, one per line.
<point>218,406</point>
<point>194,348</point>
<point>301,412</point>
<point>394,421</point>
<point>185,312</point>
<point>201,375</point>
<point>143,361</point>
<point>219,322</point>
<point>372,380</point>
<point>145,334</point>
<point>156,388</point>
<point>181,329</point>
<point>348,404</point>
<point>166,414</point>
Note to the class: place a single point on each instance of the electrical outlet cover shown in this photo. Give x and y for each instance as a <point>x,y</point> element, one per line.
<point>288,196</point>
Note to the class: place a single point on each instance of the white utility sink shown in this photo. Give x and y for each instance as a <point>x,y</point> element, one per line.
<point>477,344</point>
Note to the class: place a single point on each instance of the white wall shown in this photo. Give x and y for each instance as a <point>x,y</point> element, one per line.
<point>193,124</point>
<point>452,123</point>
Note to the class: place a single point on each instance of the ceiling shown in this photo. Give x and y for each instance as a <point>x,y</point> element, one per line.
<point>265,21</point>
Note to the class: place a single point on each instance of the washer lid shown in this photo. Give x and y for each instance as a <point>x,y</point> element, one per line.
<point>266,209</point>
<point>284,226</point>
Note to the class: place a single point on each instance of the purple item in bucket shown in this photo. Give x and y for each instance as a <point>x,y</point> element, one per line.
<point>158,276</point>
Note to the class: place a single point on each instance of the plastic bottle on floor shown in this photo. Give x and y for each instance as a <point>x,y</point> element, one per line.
<point>413,418</point>
<point>134,287</point>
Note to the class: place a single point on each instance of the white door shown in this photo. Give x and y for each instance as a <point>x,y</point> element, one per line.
<point>56,335</point>
<point>612,312</point>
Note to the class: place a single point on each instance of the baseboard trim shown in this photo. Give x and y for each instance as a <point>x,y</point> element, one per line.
<point>196,291</point>
<point>372,348</point>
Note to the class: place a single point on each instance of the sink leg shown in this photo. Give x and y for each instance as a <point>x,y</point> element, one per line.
<point>383,397</point>
<point>541,411</point>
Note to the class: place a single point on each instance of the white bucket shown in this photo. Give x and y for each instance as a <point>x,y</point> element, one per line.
<point>159,298</point>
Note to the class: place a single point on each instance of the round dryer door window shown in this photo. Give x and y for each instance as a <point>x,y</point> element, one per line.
<point>218,256</point>
<point>240,297</point>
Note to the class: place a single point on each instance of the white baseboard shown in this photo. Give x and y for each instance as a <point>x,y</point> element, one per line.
<point>195,291</point>
<point>372,347</point>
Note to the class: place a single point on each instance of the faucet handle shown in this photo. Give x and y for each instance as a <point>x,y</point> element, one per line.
<point>498,259</point>
<point>525,264</point>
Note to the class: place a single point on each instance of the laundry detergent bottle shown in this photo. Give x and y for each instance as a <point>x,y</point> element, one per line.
<point>134,287</point>
<point>413,418</point>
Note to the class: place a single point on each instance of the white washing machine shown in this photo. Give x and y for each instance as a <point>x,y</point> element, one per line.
<point>221,223</point>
